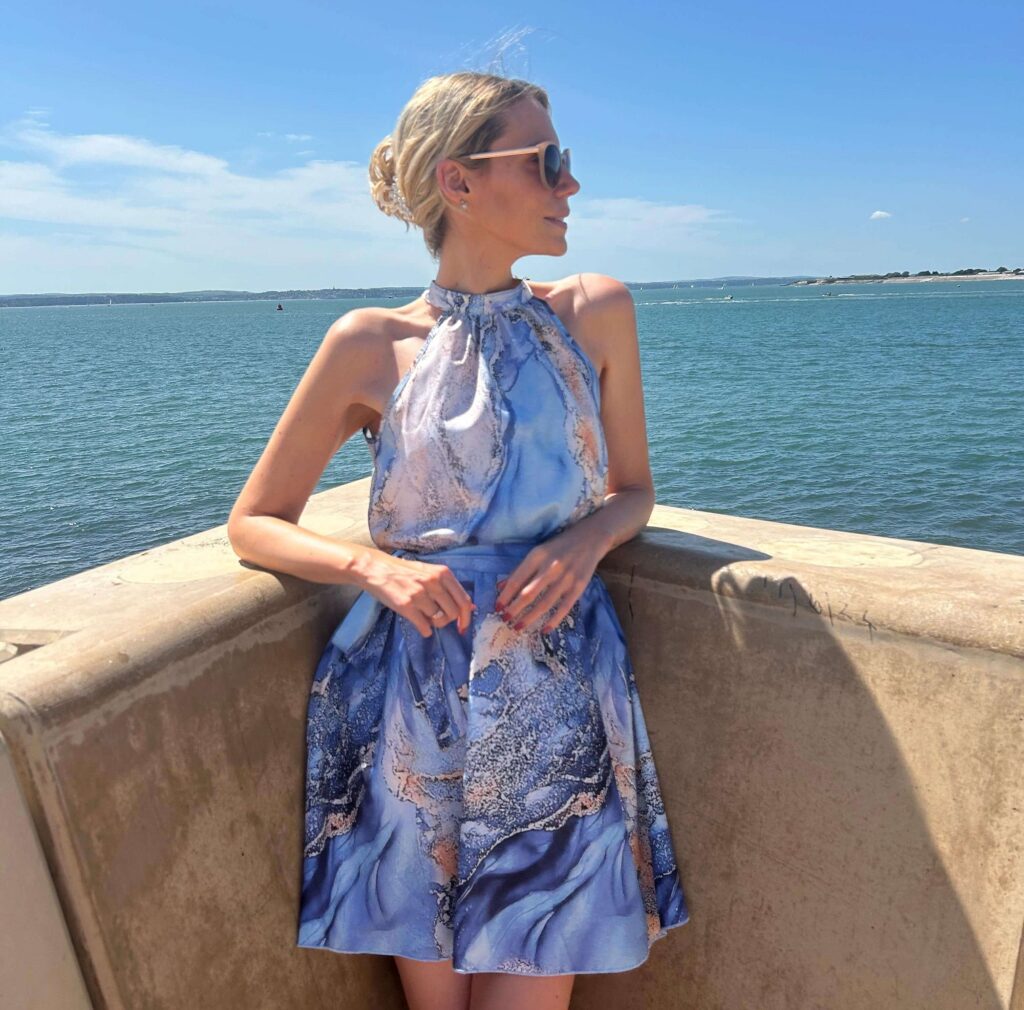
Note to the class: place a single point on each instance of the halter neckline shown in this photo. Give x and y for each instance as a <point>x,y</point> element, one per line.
<point>452,300</point>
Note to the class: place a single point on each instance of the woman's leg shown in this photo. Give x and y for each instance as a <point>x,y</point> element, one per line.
<point>505,991</point>
<point>433,985</point>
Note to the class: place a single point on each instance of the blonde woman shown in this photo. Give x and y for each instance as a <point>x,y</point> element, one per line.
<point>481,798</point>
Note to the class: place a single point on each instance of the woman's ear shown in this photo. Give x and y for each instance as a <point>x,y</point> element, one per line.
<point>451,180</point>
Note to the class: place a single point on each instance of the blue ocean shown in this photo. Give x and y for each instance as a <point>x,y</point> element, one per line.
<point>888,409</point>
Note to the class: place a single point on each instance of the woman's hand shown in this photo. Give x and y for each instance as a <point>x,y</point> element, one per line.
<point>548,581</point>
<point>418,590</point>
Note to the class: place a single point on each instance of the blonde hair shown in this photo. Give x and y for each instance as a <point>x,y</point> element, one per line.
<point>448,116</point>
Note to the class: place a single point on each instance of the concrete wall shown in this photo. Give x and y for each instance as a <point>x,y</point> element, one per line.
<point>837,721</point>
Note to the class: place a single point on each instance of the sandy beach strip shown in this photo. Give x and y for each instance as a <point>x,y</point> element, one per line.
<point>987,276</point>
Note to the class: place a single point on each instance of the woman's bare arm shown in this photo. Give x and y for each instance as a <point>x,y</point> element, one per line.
<point>324,412</point>
<point>608,315</point>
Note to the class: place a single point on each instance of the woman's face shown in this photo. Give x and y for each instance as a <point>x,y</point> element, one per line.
<point>508,203</point>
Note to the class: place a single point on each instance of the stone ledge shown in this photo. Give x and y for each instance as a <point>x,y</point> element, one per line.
<point>963,597</point>
<point>837,720</point>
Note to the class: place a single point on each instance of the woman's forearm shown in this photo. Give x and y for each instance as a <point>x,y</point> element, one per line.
<point>282,546</point>
<point>622,516</point>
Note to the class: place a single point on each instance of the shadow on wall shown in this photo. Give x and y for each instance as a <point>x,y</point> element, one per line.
<point>820,774</point>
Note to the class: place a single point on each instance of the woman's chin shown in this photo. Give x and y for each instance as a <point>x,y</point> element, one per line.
<point>548,245</point>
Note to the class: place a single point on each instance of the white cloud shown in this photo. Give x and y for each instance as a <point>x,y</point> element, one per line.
<point>292,138</point>
<point>879,215</point>
<point>176,189</point>
<point>162,217</point>
<point>642,225</point>
<point>632,212</point>
<point>34,192</point>
<point>112,149</point>
<point>964,220</point>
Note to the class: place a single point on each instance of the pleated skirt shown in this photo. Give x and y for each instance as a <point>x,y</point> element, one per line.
<point>488,797</point>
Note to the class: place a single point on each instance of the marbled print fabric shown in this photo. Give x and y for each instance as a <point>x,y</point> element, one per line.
<point>488,797</point>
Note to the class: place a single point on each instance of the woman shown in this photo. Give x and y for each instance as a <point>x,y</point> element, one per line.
<point>481,799</point>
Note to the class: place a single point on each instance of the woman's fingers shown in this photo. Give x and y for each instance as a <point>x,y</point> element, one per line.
<point>463,601</point>
<point>542,615</point>
<point>541,594</point>
<point>537,599</point>
<point>519,588</point>
<point>560,613</point>
<point>444,596</point>
<point>419,590</point>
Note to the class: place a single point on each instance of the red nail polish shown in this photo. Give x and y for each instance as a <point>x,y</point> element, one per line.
<point>518,625</point>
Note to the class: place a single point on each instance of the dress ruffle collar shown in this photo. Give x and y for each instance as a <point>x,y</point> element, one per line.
<point>451,300</point>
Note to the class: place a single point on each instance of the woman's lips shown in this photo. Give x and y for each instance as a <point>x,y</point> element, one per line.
<point>557,220</point>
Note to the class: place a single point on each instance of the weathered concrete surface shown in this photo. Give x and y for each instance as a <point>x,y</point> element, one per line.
<point>38,965</point>
<point>837,720</point>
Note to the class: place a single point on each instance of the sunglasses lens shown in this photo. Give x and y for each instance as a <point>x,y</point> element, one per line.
<point>553,164</point>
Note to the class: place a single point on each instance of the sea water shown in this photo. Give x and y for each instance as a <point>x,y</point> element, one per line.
<point>888,409</point>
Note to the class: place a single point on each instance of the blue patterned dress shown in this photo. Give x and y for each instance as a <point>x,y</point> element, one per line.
<point>488,797</point>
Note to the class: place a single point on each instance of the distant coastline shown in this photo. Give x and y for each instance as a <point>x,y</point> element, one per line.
<point>924,277</point>
<point>56,298</point>
<point>59,299</point>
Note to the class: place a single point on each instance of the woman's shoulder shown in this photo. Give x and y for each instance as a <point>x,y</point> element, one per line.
<point>373,345</point>
<point>582,292</point>
<point>592,307</point>
<point>380,324</point>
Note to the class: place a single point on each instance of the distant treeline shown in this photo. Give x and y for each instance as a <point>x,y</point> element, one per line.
<point>318,293</point>
<point>713,282</point>
<point>150,298</point>
<point>967,272</point>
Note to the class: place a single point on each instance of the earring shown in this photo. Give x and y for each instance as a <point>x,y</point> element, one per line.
<point>463,204</point>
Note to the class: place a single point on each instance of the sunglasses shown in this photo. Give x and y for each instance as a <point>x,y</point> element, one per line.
<point>551,161</point>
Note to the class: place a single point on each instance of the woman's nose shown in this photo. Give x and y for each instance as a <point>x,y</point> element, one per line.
<point>568,183</point>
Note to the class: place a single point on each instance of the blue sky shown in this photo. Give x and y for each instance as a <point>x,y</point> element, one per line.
<point>188,146</point>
